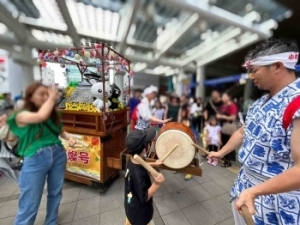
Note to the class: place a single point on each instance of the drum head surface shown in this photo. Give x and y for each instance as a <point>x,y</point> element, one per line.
<point>182,156</point>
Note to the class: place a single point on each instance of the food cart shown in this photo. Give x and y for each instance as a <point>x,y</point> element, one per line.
<point>94,111</point>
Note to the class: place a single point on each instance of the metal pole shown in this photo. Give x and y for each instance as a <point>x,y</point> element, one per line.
<point>103,78</point>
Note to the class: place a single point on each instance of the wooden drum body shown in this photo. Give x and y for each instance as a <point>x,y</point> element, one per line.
<point>170,135</point>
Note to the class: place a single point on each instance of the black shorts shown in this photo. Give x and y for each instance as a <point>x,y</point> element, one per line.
<point>213,148</point>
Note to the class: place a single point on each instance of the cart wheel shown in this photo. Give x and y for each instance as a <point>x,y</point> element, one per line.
<point>101,191</point>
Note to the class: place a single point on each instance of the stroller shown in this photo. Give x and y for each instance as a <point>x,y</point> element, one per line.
<point>6,161</point>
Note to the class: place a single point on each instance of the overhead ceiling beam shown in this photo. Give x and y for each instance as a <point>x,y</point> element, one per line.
<point>13,24</point>
<point>130,43</point>
<point>20,58</point>
<point>8,41</point>
<point>97,37</point>
<point>230,33</point>
<point>229,50</point>
<point>67,17</point>
<point>47,45</point>
<point>162,61</point>
<point>16,55</point>
<point>32,42</point>
<point>177,35</point>
<point>221,16</point>
<point>205,48</point>
<point>38,24</point>
<point>130,17</point>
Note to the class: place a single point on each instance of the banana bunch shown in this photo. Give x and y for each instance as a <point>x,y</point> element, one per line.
<point>81,106</point>
<point>69,91</point>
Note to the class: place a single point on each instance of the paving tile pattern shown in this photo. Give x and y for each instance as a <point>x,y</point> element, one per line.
<point>199,201</point>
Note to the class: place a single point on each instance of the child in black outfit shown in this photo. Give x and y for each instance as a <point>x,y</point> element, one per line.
<point>138,187</point>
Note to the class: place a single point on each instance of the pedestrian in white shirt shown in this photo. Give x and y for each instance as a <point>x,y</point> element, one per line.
<point>143,111</point>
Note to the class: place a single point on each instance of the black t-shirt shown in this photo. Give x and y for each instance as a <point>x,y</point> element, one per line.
<point>210,110</point>
<point>138,211</point>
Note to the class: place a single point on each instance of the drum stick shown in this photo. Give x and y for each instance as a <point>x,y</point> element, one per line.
<point>205,151</point>
<point>247,216</point>
<point>169,153</point>
<point>146,165</point>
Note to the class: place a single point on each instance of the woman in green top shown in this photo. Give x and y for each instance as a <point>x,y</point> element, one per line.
<point>38,127</point>
<point>172,109</point>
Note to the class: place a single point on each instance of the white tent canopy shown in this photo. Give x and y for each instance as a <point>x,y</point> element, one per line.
<point>171,34</point>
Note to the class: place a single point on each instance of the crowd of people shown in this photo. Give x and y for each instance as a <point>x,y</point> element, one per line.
<point>214,119</point>
<point>267,141</point>
<point>267,183</point>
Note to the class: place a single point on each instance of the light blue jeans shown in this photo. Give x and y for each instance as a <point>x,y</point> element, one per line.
<point>49,162</point>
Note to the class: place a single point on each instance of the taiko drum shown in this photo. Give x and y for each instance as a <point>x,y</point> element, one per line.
<point>171,134</point>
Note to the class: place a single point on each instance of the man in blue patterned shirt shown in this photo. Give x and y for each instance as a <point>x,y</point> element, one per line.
<point>268,182</point>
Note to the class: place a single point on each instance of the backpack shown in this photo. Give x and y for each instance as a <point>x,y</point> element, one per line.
<point>10,141</point>
<point>289,112</point>
<point>135,114</point>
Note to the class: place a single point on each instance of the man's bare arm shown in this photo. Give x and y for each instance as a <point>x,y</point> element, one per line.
<point>234,142</point>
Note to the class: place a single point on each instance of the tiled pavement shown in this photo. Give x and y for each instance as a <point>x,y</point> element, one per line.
<point>199,201</point>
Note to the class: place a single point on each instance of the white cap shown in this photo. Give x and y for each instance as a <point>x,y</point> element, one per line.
<point>150,90</point>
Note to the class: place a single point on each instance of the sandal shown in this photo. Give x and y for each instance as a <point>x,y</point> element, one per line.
<point>214,162</point>
<point>226,164</point>
<point>209,161</point>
